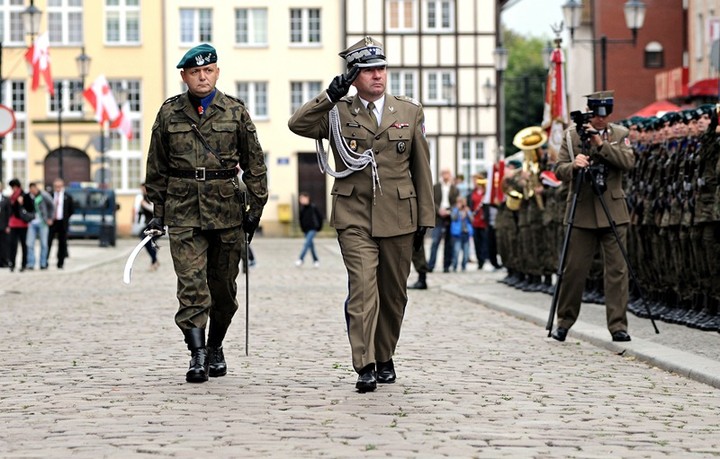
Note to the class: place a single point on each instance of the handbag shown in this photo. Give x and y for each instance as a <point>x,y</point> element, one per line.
<point>25,215</point>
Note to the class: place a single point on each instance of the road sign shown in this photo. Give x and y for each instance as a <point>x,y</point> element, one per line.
<point>7,120</point>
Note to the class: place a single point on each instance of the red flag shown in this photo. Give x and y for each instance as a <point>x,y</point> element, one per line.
<point>123,123</point>
<point>496,193</point>
<point>102,100</point>
<point>555,114</point>
<point>38,56</point>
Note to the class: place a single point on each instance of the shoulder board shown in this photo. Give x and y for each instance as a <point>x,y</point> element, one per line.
<point>408,99</point>
<point>172,99</point>
<point>620,129</point>
<point>348,99</point>
<point>236,99</point>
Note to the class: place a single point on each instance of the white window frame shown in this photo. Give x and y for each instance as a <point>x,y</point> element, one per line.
<point>301,92</point>
<point>70,34</point>
<point>130,91</point>
<point>306,37</point>
<point>439,15</point>
<point>120,180</point>
<point>198,35</point>
<point>257,101</point>
<point>402,6</point>
<point>404,83</point>
<point>257,24</point>
<point>472,155</point>
<point>433,83</point>
<point>14,148</point>
<point>123,13</point>
<point>72,99</point>
<point>12,30</point>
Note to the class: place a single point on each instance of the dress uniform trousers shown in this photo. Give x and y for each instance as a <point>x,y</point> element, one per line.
<point>378,269</point>
<point>582,248</point>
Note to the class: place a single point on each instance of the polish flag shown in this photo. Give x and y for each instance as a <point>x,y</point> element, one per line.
<point>102,100</point>
<point>38,57</point>
<point>555,114</point>
<point>122,123</point>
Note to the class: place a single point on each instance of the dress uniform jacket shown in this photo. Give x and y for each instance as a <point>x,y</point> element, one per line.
<point>174,145</point>
<point>615,151</point>
<point>403,201</point>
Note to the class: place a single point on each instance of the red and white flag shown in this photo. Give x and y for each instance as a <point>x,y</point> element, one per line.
<point>38,57</point>
<point>102,100</point>
<point>555,114</point>
<point>122,123</point>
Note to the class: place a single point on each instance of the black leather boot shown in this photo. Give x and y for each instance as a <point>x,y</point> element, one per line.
<point>216,358</point>
<point>421,283</point>
<point>198,371</point>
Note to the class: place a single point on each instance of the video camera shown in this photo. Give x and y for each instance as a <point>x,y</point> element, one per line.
<point>581,119</point>
<point>597,171</point>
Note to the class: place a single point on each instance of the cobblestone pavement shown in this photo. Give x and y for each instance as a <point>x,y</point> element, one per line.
<point>95,368</point>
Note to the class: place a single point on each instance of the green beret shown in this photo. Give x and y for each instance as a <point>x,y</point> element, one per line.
<point>198,56</point>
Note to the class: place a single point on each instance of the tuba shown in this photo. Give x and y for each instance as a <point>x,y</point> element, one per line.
<point>529,140</point>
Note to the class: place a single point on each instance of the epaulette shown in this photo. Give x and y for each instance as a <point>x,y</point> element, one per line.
<point>408,99</point>
<point>172,99</point>
<point>236,99</point>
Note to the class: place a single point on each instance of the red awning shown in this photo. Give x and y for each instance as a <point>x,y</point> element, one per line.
<point>656,108</point>
<point>707,88</point>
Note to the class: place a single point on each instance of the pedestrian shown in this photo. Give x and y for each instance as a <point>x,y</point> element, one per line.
<point>64,208</point>
<point>602,161</point>
<point>461,230</point>
<point>39,227</point>
<point>18,226</point>
<point>479,223</point>
<point>200,140</point>
<point>5,212</point>
<point>444,195</point>
<point>310,223</point>
<point>141,217</point>
<point>382,199</point>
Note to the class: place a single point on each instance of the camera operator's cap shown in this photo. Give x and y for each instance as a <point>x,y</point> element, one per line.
<point>601,103</point>
<point>530,138</point>
<point>368,52</point>
<point>198,56</point>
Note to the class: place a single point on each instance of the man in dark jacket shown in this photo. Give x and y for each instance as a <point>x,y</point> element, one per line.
<point>310,223</point>
<point>64,208</point>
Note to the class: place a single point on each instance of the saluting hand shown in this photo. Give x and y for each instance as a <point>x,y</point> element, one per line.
<point>340,85</point>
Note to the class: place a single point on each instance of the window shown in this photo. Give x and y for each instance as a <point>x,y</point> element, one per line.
<point>654,55</point>
<point>435,84</point>
<point>11,24</point>
<point>403,83</point>
<point>401,15</point>
<point>122,21</point>
<point>15,143</point>
<point>124,171</point>
<point>305,25</point>
<point>439,15</point>
<point>472,156</point>
<point>255,96</point>
<point>68,96</point>
<point>195,25</point>
<point>65,22</point>
<point>301,92</point>
<point>127,91</point>
<point>251,26</point>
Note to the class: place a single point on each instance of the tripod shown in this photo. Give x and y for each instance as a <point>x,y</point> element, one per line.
<point>566,242</point>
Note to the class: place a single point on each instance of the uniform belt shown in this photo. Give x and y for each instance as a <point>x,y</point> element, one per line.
<point>201,174</point>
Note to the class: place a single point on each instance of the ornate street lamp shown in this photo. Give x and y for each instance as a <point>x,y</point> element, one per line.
<point>31,19</point>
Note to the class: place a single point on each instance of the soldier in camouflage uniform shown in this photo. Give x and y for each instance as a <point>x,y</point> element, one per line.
<point>200,140</point>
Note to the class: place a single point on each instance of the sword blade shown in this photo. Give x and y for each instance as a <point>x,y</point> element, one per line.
<point>127,273</point>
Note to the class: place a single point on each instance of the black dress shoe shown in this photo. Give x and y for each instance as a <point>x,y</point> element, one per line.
<point>386,372</point>
<point>620,335</point>
<point>419,285</point>
<point>560,334</point>
<point>367,381</point>
<point>217,366</point>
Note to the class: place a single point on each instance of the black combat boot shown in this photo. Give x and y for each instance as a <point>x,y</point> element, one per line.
<point>195,339</point>
<point>217,364</point>
<point>421,283</point>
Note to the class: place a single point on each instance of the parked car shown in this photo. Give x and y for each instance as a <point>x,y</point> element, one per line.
<point>95,210</point>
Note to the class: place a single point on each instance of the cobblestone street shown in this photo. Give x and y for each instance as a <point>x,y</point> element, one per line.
<point>95,368</point>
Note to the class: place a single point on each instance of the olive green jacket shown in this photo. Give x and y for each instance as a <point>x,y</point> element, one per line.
<point>175,145</point>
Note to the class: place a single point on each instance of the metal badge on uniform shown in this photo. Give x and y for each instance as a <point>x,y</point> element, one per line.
<point>353,145</point>
<point>401,147</point>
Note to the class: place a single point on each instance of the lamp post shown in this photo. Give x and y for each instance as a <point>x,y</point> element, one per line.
<point>634,11</point>
<point>500,56</point>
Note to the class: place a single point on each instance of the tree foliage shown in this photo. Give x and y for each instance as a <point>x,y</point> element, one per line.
<point>524,80</point>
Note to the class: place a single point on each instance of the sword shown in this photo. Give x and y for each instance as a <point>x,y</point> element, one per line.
<point>127,273</point>
<point>247,291</point>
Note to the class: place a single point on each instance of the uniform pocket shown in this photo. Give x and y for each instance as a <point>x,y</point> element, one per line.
<point>342,208</point>
<point>407,206</point>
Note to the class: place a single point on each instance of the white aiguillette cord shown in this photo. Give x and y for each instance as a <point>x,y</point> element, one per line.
<point>353,161</point>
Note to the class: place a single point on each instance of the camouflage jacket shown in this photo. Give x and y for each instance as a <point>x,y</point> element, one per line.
<point>176,146</point>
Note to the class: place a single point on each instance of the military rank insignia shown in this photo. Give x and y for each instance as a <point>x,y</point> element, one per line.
<point>353,145</point>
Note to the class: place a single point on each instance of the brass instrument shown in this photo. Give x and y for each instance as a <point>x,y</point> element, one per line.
<point>529,140</point>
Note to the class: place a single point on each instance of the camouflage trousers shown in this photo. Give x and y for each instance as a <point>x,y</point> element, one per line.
<point>207,264</point>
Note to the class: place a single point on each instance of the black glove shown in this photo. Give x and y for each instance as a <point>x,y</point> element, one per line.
<point>249,225</point>
<point>419,237</point>
<point>340,85</point>
<point>156,227</point>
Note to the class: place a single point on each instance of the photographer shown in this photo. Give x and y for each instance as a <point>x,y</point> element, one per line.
<point>597,153</point>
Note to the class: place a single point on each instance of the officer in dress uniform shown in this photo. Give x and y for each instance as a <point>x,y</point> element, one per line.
<point>200,140</point>
<point>607,156</point>
<point>382,199</point>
